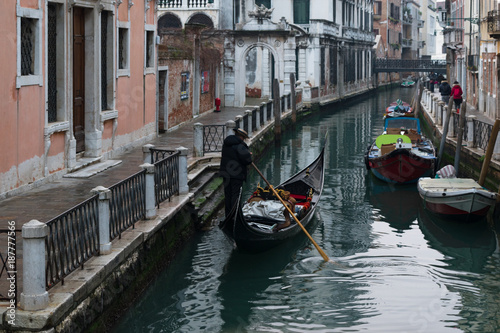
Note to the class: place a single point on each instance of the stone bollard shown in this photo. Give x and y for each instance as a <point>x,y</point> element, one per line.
<point>150,191</point>
<point>183,170</point>
<point>257,119</point>
<point>34,296</point>
<point>146,153</point>
<point>441,108</point>
<point>470,131</point>
<point>198,150</point>
<point>452,131</point>
<point>250,125</point>
<point>104,218</point>
<point>230,126</point>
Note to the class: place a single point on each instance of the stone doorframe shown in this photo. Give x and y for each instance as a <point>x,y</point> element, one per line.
<point>283,50</point>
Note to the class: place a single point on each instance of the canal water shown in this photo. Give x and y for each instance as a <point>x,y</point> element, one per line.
<point>395,267</point>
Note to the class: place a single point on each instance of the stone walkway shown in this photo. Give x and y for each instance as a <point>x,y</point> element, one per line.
<point>49,200</point>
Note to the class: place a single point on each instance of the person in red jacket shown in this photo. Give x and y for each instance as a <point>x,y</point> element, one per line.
<point>456,94</point>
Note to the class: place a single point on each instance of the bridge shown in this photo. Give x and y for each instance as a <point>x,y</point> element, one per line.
<point>409,65</point>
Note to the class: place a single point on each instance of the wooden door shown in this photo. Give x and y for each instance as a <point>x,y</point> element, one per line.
<point>79,78</point>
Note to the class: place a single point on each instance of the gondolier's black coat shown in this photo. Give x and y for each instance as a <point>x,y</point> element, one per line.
<point>235,158</point>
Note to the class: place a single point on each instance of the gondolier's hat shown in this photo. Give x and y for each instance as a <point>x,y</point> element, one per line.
<point>239,131</point>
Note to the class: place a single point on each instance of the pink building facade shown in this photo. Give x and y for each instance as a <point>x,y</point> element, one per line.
<point>78,85</point>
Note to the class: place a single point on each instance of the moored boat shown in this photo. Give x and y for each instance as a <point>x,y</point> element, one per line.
<point>399,109</point>
<point>456,198</point>
<point>407,84</point>
<point>401,155</point>
<point>257,232</point>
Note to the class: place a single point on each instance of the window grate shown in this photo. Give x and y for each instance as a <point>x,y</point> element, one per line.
<point>27,47</point>
<point>52,63</point>
<point>104,64</point>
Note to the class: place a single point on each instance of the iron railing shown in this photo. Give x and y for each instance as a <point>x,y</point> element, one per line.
<point>158,154</point>
<point>213,138</point>
<point>73,239</point>
<point>166,178</point>
<point>494,23</point>
<point>270,111</point>
<point>413,65</point>
<point>254,120</point>
<point>482,133</point>
<point>8,265</point>
<point>127,204</point>
<point>245,122</point>
<point>261,113</point>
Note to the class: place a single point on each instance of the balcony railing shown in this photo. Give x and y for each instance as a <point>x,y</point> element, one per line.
<point>420,23</point>
<point>494,24</point>
<point>453,35</point>
<point>187,4</point>
<point>421,44</point>
<point>406,42</point>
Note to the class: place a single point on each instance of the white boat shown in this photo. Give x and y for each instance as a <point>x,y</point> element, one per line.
<point>457,198</point>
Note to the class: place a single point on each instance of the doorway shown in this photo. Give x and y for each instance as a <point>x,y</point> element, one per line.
<point>79,78</point>
<point>162,101</point>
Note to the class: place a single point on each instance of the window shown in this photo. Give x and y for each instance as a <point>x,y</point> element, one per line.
<point>106,60</point>
<point>123,48</point>
<point>266,3</point>
<point>29,47</point>
<point>205,82</point>
<point>55,62</point>
<point>150,48</point>
<point>301,11</point>
<point>333,65</point>
<point>184,85</point>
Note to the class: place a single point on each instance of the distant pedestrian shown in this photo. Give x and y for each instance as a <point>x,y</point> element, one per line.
<point>445,90</point>
<point>236,156</point>
<point>456,94</point>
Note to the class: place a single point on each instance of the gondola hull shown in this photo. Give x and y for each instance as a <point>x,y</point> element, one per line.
<point>250,236</point>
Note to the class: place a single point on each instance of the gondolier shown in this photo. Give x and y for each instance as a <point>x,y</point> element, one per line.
<point>236,157</point>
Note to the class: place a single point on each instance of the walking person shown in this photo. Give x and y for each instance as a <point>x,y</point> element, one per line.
<point>236,157</point>
<point>456,94</point>
<point>445,90</point>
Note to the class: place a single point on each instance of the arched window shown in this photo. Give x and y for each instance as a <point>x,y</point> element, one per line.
<point>169,21</point>
<point>201,19</point>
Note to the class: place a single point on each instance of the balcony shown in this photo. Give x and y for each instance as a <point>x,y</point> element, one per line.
<point>421,44</point>
<point>494,24</point>
<point>453,36</point>
<point>420,23</point>
<point>406,42</point>
<point>187,4</point>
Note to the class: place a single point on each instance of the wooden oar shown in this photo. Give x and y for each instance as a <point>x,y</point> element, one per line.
<point>323,254</point>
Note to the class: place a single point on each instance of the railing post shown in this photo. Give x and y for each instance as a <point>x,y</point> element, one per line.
<point>146,153</point>
<point>249,117</point>
<point>230,126</point>
<point>183,170</point>
<point>451,125</point>
<point>198,150</point>
<point>34,296</point>
<point>470,131</point>
<point>257,119</point>
<point>104,218</point>
<point>150,190</point>
<point>441,107</point>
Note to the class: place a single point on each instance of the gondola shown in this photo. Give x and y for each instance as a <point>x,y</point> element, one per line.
<point>256,233</point>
